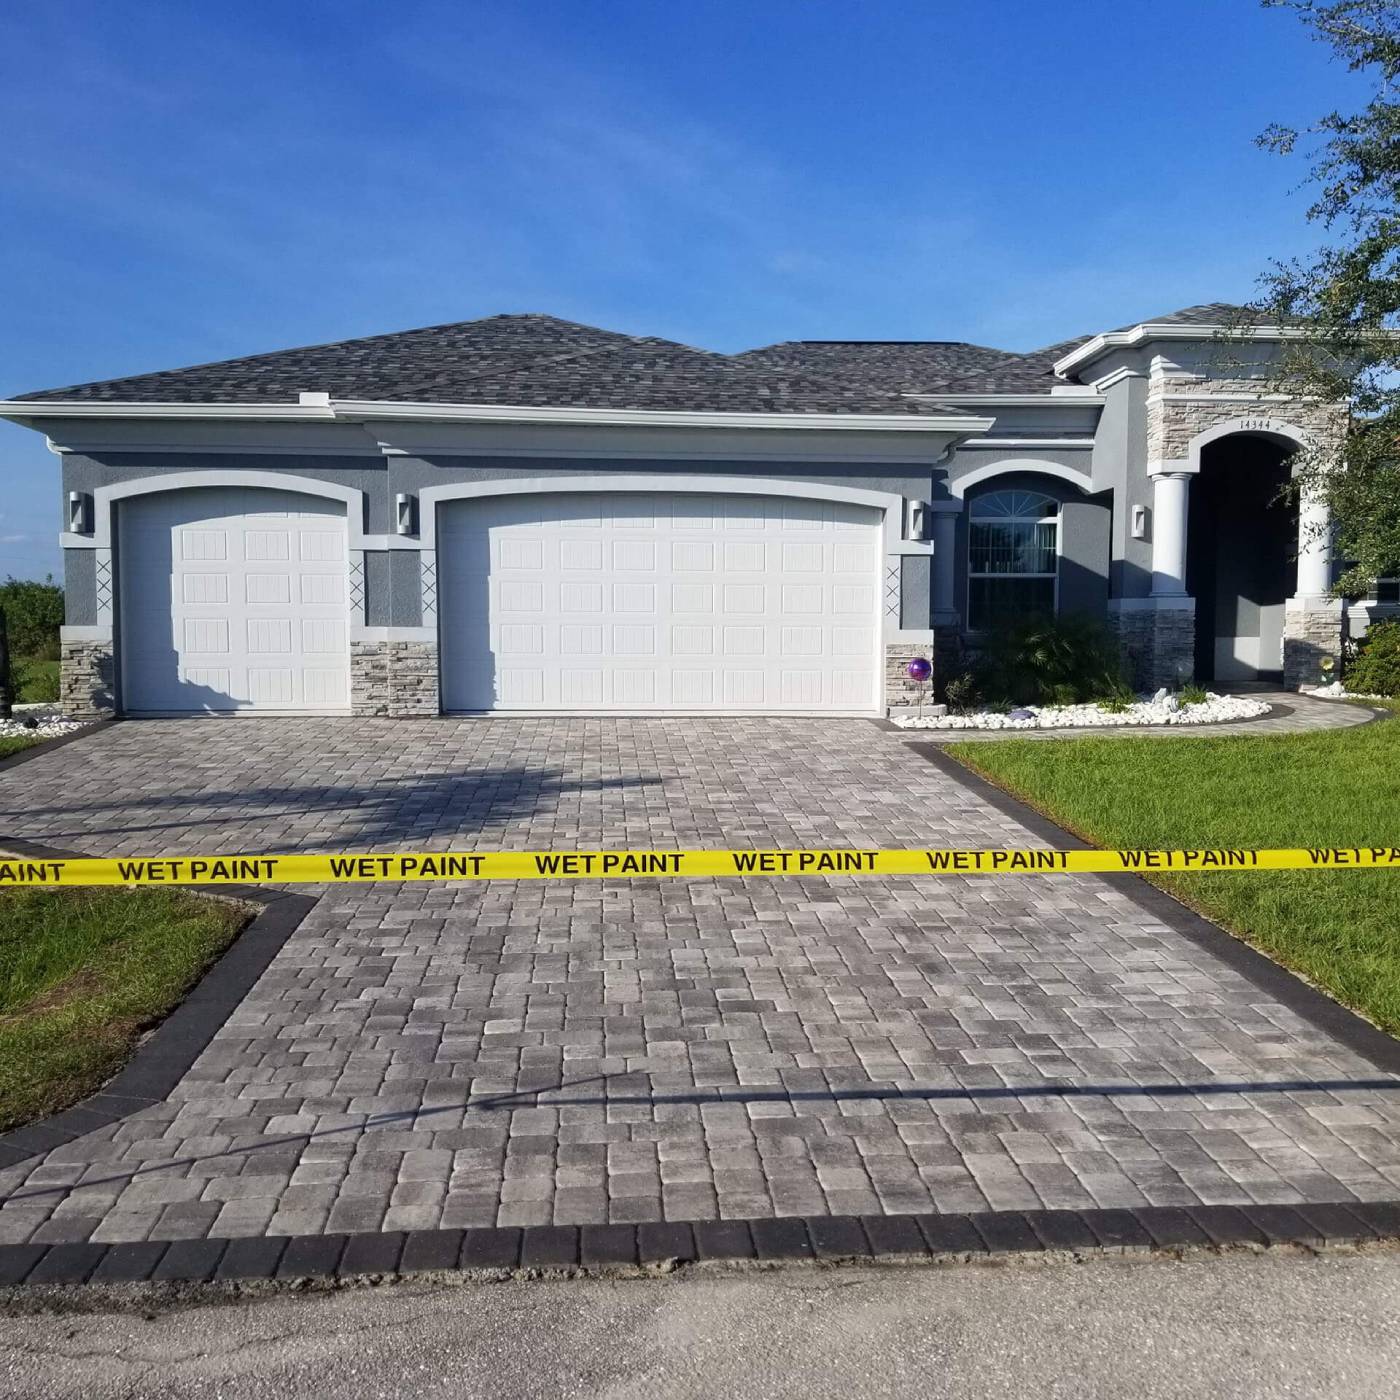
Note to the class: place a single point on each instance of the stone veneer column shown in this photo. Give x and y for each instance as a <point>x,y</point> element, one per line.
<point>1157,635</point>
<point>899,689</point>
<point>394,678</point>
<point>87,680</point>
<point>369,678</point>
<point>1312,619</point>
<point>1156,639</point>
<point>413,679</point>
<point>943,651</point>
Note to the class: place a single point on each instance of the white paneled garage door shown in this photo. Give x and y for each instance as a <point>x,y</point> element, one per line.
<point>233,599</point>
<point>658,601</point>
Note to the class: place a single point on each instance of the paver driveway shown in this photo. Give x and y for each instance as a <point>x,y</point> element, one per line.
<point>570,1053</point>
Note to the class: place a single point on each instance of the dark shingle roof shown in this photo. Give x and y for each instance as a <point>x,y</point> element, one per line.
<point>527,360</point>
<point>661,374</point>
<point>541,361</point>
<point>429,360</point>
<point>1031,373</point>
<point>895,366</point>
<point>1208,313</point>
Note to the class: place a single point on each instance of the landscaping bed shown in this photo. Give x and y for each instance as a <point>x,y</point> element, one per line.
<point>1339,929</point>
<point>1161,708</point>
<point>33,724</point>
<point>83,972</point>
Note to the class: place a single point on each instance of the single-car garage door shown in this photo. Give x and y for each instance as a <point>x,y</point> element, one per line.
<point>658,601</point>
<point>233,598</point>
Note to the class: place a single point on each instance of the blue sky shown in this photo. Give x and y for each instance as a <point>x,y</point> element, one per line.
<point>190,182</point>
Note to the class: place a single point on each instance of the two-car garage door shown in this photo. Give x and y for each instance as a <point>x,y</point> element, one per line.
<point>661,601</point>
<point>235,598</point>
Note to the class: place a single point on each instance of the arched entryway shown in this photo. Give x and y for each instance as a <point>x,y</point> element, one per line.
<point>1241,563</point>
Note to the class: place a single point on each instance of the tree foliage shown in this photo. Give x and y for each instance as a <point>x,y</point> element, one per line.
<point>1345,297</point>
<point>34,613</point>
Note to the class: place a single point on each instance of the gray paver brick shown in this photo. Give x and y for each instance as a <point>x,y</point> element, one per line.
<point>533,1054</point>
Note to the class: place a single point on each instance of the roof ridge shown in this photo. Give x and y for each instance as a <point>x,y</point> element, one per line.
<point>728,364</point>
<point>361,340</point>
<point>967,344</point>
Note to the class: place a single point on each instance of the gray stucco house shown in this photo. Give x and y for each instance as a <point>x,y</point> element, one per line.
<point>524,514</point>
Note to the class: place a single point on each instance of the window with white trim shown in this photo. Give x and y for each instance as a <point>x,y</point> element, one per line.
<point>1013,557</point>
<point>1387,590</point>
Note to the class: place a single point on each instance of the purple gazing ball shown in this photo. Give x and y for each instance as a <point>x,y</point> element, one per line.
<point>919,669</point>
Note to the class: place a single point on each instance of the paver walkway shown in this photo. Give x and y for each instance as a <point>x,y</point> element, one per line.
<point>503,1053</point>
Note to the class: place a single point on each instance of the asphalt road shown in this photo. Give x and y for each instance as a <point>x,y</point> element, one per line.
<point>1236,1326</point>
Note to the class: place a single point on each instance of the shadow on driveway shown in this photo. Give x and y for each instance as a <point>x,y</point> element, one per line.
<point>423,806</point>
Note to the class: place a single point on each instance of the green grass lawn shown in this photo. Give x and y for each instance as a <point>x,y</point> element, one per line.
<point>1340,929</point>
<point>15,743</point>
<point>35,680</point>
<point>82,973</point>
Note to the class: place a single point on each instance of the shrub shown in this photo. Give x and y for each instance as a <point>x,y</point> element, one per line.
<point>1376,667</point>
<point>1193,695</point>
<point>33,614</point>
<point>963,693</point>
<point>1116,697</point>
<point>1056,660</point>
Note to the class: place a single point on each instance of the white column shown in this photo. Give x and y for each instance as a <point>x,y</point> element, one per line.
<point>1314,548</point>
<point>1170,500</point>
<point>945,564</point>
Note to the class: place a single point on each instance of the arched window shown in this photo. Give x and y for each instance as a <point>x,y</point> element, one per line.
<point>1013,556</point>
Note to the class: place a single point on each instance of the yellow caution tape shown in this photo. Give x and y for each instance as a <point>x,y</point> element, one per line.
<point>626,865</point>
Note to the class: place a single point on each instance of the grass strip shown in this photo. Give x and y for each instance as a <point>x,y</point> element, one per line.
<point>83,972</point>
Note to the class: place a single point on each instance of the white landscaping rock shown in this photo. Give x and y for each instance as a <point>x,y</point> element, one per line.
<point>1166,710</point>
<point>51,723</point>
<point>1337,691</point>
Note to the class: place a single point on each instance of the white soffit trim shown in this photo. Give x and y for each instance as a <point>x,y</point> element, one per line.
<point>92,408</point>
<point>1021,466</point>
<point>1077,443</point>
<point>1141,334</point>
<point>1066,396</point>
<point>361,410</point>
<point>646,417</point>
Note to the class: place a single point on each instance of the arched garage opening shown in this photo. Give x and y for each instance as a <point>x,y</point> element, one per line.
<point>623,599</point>
<point>232,598</point>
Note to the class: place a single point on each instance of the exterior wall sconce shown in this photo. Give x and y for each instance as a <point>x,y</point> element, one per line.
<point>1139,522</point>
<point>916,514</point>
<point>79,513</point>
<point>405,509</point>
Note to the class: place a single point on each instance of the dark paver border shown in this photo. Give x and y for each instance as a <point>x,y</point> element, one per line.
<point>1271,978</point>
<point>160,1063</point>
<point>655,1247</point>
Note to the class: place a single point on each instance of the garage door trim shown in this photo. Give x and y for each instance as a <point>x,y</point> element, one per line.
<point>710,484</point>
<point>249,654</point>
<point>888,505</point>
